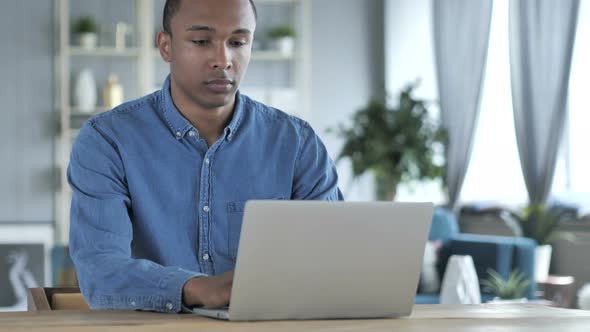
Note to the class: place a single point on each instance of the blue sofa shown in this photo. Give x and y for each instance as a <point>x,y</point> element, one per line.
<point>500,253</point>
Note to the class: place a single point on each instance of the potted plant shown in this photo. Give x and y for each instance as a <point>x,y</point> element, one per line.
<point>541,224</point>
<point>512,288</point>
<point>86,29</point>
<point>397,144</point>
<point>284,38</point>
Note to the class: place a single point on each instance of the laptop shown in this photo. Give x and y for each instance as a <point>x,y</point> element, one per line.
<point>327,260</point>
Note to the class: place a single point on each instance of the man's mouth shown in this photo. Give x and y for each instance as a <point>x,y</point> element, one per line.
<point>219,85</point>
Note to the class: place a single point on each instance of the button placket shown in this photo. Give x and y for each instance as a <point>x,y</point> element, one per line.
<point>205,216</point>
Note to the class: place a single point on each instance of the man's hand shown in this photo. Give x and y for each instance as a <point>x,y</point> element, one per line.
<point>209,292</point>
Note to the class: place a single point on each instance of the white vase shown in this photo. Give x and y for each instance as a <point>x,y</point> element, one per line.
<point>85,92</point>
<point>498,300</point>
<point>87,40</point>
<point>542,262</point>
<point>285,45</point>
<point>584,297</point>
<point>460,284</point>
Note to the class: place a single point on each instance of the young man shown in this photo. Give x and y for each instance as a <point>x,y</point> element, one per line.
<point>159,184</point>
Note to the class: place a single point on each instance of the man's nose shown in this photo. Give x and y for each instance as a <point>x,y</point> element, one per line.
<point>221,59</point>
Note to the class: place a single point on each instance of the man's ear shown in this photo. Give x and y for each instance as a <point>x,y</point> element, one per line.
<point>164,41</point>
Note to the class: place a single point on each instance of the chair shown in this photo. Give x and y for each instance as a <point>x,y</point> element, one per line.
<point>66,298</point>
<point>501,253</point>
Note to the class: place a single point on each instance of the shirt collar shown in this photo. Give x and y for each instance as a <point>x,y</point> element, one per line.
<point>179,125</point>
<point>234,124</point>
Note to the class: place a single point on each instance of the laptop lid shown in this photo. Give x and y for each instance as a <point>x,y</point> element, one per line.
<point>319,259</point>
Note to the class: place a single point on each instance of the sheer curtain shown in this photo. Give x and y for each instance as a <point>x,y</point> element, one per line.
<point>541,42</point>
<point>461,34</point>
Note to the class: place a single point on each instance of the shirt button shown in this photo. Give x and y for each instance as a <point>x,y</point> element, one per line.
<point>206,208</point>
<point>207,161</point>
<point>169,306</point>
<point>206,256</point>
<point>192,133</point>
<point>178,134</point>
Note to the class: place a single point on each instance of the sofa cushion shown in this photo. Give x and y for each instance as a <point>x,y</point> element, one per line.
<point>427,299</point>
<point>444,225</point>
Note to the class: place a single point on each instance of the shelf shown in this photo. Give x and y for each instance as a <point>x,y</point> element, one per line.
<point>102,51</point>
<point>76,113</point>
<point>271,56</point>
<point>74,133</point>
<point>77,118</point>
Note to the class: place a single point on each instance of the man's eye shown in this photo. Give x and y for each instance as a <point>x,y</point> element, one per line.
<point>237,43</point>
<point>200,42</point>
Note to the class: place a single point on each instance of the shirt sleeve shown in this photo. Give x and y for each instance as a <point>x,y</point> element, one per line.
<point>101,233</point>
<point>315,173</point>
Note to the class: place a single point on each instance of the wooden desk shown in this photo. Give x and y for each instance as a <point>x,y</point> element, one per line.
<point>436,318</point>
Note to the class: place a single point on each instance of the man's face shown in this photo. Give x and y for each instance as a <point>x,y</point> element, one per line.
<point>210,49</point>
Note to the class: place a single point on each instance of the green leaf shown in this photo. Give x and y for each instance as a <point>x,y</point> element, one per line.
<point>401,142</point>
<point>537,222</point>
<point>512,288</point>
<point>85,24</point>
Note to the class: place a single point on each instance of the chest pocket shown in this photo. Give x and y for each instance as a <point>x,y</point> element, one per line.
<point>235,215</point>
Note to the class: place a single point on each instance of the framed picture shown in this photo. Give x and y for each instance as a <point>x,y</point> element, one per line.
<point>24,254</point>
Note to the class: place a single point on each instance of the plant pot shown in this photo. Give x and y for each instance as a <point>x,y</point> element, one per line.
<point>542,262</point>
<point>498,300</point>
<point>87,40</point>
<point>385,187</point>
<point>584,297</point>
<point>285,45</point>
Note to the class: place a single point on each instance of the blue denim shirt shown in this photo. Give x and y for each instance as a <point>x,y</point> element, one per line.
<point>153,206</point>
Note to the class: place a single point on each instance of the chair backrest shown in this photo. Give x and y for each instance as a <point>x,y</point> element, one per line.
<point>444,225</point>
<point>49,298</point>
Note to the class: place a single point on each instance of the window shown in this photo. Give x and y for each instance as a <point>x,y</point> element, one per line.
<point>494,172</point>
<point>572,175</point>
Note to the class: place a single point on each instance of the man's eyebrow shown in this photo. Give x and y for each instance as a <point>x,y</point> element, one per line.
<point>210,29</point>
<point>242,30</point>
<point>200,28</point>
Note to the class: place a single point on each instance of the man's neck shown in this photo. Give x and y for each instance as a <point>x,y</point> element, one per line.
<point>210,122</point>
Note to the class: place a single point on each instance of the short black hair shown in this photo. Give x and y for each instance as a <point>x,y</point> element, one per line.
<point>171,8</point>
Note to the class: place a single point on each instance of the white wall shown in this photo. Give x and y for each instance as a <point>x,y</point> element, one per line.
<point>347,67</point>
<point>27,114</point>
<point>409,46</point>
